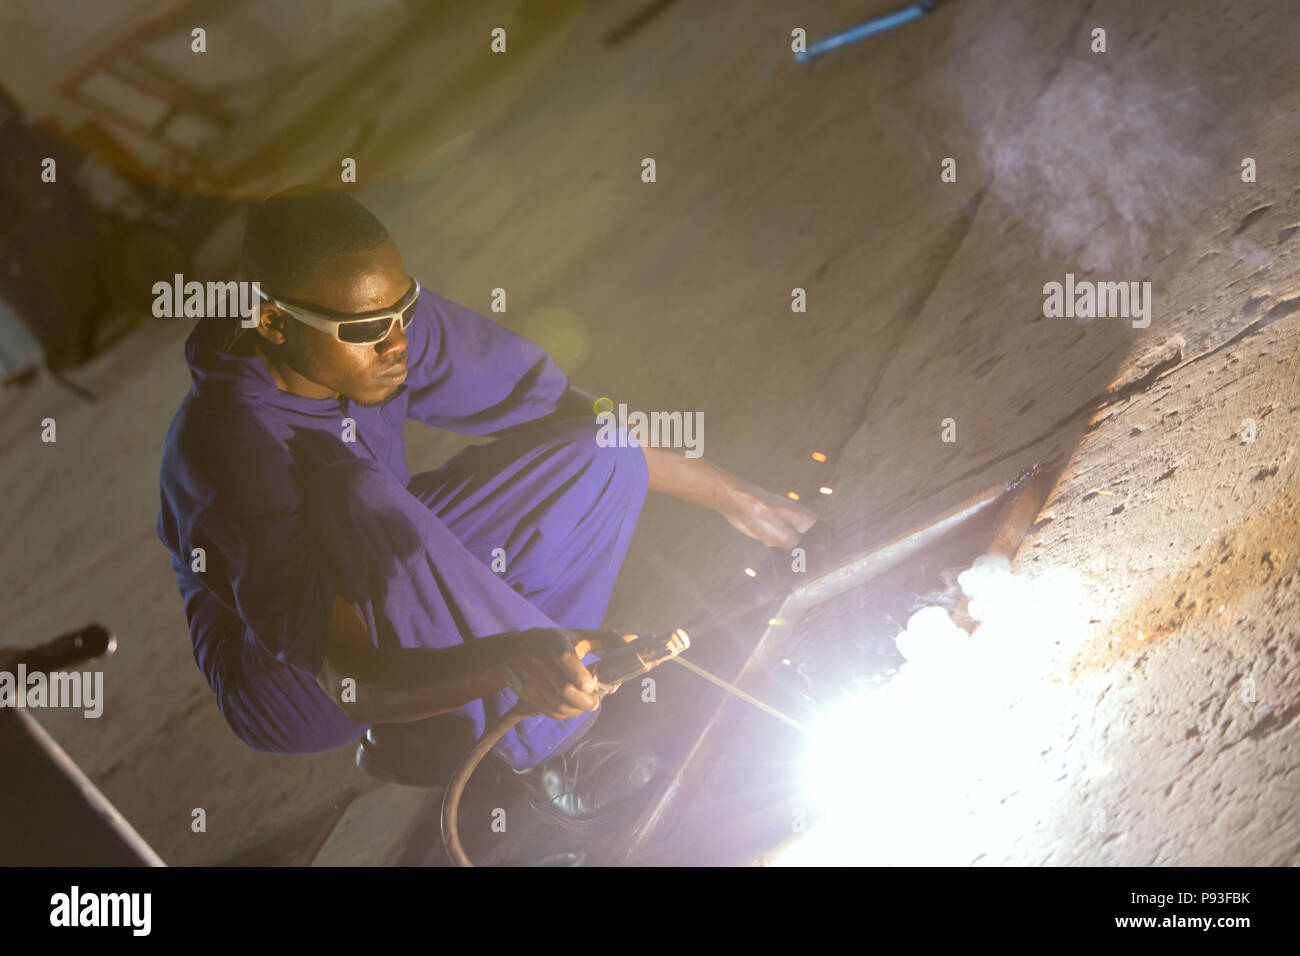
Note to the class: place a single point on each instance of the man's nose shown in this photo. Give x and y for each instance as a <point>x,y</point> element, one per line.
<point>395,343</point>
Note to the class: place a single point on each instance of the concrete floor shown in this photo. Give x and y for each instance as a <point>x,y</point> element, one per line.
<point>924,303</point>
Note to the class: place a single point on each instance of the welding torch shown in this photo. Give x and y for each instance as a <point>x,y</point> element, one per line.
<point>624,663</point>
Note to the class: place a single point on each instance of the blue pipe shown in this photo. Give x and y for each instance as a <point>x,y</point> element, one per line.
<point>869,28</point>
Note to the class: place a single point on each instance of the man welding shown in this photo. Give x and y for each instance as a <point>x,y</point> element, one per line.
<point>332,596</point>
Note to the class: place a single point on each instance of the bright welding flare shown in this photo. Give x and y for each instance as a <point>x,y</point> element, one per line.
<point>956,751</point>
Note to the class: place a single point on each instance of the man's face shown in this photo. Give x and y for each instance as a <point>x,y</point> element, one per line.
<point>364,282</point>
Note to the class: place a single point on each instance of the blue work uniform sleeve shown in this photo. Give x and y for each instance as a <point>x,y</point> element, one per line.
<point>467,374</point>
<point>261,556</point>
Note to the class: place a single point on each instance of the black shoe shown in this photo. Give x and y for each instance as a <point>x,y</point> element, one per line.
<point>421,753</point>
<point>592,786</point>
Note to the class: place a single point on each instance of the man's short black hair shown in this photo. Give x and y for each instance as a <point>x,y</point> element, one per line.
<point>294,233</point>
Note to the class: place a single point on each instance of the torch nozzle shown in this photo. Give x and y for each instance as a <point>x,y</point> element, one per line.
<point>637,657</point>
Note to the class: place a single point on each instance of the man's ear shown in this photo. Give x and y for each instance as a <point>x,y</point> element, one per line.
<point>273,323</point>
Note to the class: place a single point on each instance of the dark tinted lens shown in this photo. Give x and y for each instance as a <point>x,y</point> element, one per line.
<point>364,333</point>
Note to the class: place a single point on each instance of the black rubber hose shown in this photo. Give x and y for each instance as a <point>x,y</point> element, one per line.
<point>622,664</point>
<point>456,786</point>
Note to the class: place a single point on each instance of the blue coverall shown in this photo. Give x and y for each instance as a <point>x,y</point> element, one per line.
<point>289,514</point>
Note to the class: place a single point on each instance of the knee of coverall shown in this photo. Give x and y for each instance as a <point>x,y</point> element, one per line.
<point>612,451</point>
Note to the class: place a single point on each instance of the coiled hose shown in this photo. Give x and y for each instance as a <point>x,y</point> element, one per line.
<point>628,661</point>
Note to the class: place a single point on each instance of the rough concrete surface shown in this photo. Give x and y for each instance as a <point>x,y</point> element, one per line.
<point>924,302</point>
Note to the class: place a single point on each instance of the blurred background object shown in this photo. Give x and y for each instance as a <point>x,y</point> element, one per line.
<point>156,145</point>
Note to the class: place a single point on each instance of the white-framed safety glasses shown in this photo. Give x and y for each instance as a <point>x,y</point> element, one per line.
<point>354,328</point>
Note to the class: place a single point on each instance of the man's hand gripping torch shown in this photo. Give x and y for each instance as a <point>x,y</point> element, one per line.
<point>622,664</point>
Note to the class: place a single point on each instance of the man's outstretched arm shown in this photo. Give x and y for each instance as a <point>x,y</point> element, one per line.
<point>394,685</point>
<point>772,519</point>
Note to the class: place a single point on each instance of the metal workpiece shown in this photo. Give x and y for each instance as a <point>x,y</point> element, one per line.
<point>662,822</point>
<point>1014,519</point>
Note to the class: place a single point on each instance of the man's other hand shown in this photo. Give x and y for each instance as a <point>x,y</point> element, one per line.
<point>776,521</point>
